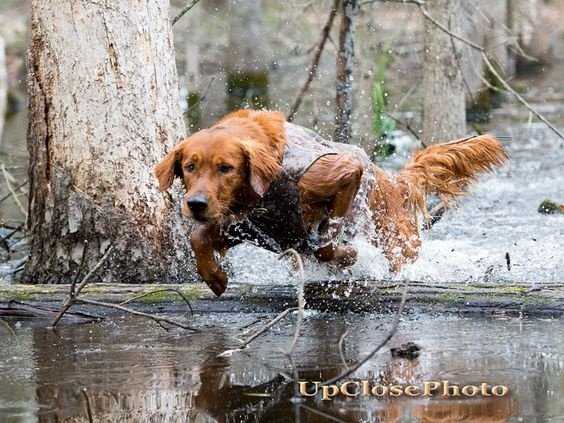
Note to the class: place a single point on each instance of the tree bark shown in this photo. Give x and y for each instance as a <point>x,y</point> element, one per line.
<point>3,86</point>
<point>104,109</point>
<point>345,58</point>
<point>444,112</point>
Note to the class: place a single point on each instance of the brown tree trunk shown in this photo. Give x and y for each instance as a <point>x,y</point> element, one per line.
<point>444,111</point>
<point>345,58</point>
<point>103,110</point>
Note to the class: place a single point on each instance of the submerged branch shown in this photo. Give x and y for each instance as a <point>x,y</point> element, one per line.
<point>389,335</point>
<point>73,293</point>
<point>260,332</point>
<point>156,291</point>
<point>153,317</point>
<point>74,298</point>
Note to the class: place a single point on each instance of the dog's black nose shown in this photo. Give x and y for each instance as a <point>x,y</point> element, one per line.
<point>198,204</point>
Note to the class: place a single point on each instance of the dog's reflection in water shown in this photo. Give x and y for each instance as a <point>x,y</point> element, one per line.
<point>182,387</point>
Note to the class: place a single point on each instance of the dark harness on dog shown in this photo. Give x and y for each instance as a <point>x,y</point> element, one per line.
<point>276,222</point>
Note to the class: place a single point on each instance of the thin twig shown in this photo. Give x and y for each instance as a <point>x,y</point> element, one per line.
<point>490,66</point>
<point>11,234</point>
<point>341,350</point>
<point>80,266</point>
<point>8,327</point>
<point>84,393</point>
<point>322,414</point>
<point>299,322</point>
<point>202,98</point>
<point>15,189</point>
<point>295,377</point>
<point>300,309</point>
<point>428,16</point>
<point>72,297</point>
<point>301,299</point>
<point>12,191</point>
<point>157,319</point>
<point>184,10</point>
<point>406,126</point>
<point>177,291</point>
<point>45,309</point>
<point>312,71</point>
<point>263,330</point>
<point>524,102</point>
<point>378,347</point>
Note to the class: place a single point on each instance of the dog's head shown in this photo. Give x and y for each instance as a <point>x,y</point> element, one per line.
<point>224,169</point>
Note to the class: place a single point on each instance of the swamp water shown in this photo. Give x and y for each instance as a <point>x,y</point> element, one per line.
<point>135,371</point>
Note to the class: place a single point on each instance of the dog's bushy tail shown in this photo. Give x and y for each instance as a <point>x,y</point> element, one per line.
<point>447,169</point>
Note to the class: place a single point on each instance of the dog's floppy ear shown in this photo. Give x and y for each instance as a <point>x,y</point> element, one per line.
<point>168,168</point>
<point>263,165</point>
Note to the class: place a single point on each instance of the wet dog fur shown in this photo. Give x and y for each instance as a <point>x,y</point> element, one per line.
<point>227,168</point>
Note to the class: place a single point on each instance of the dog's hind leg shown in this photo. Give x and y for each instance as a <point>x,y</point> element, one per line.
<point>327,191</point>
<point>397,232</point>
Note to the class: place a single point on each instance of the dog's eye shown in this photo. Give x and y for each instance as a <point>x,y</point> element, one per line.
<point>190,167</point>
<point>225,168</point>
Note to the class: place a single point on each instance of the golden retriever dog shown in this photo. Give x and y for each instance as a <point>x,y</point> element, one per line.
<point>255,177</point>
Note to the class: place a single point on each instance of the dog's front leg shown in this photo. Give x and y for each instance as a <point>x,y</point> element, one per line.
<point>206,240</point>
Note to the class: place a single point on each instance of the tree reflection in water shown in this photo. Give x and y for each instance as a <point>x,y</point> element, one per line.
<point>136,374</point>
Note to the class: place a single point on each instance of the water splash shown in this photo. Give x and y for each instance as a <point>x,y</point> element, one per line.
<point>494,235</point>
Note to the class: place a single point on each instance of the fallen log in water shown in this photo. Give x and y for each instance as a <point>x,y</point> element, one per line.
<point>545,299</point>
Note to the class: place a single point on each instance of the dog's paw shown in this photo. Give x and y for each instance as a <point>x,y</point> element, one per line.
<point>217,282</point>
<point>345,255</point>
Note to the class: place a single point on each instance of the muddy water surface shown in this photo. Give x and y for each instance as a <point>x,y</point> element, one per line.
<point>135,371</point>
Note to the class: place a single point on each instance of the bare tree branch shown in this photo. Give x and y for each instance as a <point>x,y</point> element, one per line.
<point>73,294</point>
<point>153,317</point>
<point>421,5</point>
<point>184,10</point>
<point>407,126</point>
<point>7,178</point>
<point>491,67</point>
<point>524,102</point>
<point>74,298</point>
<point>15,189</point>
<point>312,71</point>
<point>8,327</point>
<point>263,330</point>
